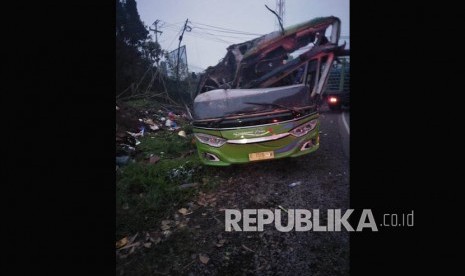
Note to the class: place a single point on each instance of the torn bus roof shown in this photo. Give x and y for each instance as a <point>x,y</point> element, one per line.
<point>265,60</point>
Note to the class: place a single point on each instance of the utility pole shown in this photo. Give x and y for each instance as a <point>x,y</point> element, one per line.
<point>179,45</point>
<point>156,31</point>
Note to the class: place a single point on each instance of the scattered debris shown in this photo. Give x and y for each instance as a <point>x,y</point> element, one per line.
<point>295,184</point>
<point>182,133</point>
<point>154,127</point>
<point>246,248</point>
<point>148,121</point>
<point>182,172</point>
<point>122,160</point>
<point>138,134</point>
<point>188,185</point>
<point>282,208</point>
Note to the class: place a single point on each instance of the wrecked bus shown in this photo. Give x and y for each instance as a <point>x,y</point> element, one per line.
<point>259,102</point>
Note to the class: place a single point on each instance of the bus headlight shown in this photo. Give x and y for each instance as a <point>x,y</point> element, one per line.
<point>305,128</point>
<point>210,140</point>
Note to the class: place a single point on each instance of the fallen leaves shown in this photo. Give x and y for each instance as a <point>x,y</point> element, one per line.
<point>184,211</point>
<point>122,242</point>
<point>204,258</point>
<point>128,245</point>
<point>205,200</point>
<point>165,224</point>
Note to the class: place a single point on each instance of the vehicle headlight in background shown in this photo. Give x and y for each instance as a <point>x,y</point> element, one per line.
<point>210,140</point>
<point>305,128</point>
<point>333,100</point>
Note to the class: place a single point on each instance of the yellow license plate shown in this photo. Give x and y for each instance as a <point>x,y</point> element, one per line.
<point>261,155</point>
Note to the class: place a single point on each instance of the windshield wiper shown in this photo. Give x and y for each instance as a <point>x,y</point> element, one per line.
<point>293,110</point>
<point>222,118</point>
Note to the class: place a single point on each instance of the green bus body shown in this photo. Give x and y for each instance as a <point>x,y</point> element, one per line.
<point>286,144</point>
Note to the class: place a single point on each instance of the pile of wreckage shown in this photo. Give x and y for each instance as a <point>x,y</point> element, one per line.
<point>132,124</point>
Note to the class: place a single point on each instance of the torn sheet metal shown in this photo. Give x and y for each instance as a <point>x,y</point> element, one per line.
<point>264,61</point>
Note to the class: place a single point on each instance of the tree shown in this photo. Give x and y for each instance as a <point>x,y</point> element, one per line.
<point>152,50</point>
<point>130,33</point>
<point>128,24</point>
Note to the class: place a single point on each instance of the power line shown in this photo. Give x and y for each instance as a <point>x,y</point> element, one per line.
<point>174,38</point>
<point>226,29</point>
<point>227,36</point>
<point>214,39</point>
<point>177,24</point>
<point>229,32</point>
<point>200,35</point>
<point>200,32</point>
<point>211,36</point>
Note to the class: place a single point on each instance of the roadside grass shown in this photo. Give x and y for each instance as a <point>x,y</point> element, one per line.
<point>141,103</point>
<point>148,193</point>
<point>165,144</point>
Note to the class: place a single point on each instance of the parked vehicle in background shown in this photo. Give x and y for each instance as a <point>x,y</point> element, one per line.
<point>337,92</point>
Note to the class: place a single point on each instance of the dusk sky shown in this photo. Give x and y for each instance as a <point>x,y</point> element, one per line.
<point>240,20</point>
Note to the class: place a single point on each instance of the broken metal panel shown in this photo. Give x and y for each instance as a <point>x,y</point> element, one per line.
<point>221,102</point>
<point>324,75</point>
<point>279,73</point>
<point>265,60</point>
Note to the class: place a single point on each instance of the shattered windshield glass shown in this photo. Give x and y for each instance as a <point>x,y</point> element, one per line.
<point>221,102</point>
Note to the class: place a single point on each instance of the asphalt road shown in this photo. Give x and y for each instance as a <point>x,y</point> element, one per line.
<point>344,131</point>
